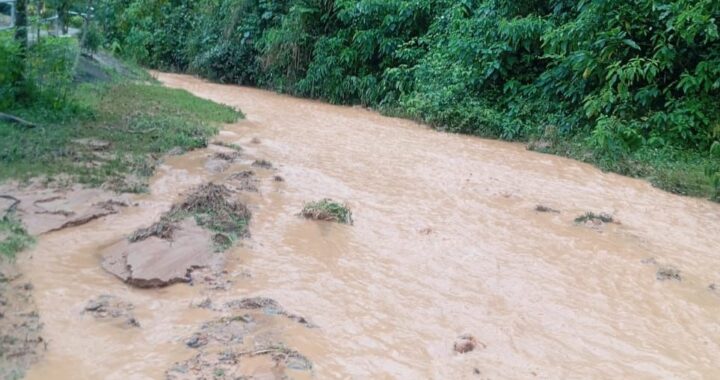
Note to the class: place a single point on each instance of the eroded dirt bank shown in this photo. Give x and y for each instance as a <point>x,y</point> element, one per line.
<point>448,242</point>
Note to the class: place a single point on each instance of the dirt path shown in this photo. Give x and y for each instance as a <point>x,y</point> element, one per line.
<point>447,243</point>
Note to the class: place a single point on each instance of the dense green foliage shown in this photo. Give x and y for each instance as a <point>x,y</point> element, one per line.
<point>41,76</point>
<point>624,79</point>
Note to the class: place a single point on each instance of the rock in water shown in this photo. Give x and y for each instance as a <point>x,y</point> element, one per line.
<point>466,343</point>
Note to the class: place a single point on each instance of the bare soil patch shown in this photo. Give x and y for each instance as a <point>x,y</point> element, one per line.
<point>44,209</point>
<point>242,345</point>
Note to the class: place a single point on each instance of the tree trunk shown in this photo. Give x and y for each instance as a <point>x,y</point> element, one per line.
<point>21,23</point>
<point>63,16</point>
<point>86,24</point>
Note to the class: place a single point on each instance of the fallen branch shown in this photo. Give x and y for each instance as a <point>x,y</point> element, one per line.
<point>16,120</point>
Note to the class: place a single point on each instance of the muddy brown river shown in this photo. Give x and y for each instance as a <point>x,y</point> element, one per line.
<point>446,242</point>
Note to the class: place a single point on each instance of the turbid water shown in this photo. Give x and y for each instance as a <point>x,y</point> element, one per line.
<point>446,241</point>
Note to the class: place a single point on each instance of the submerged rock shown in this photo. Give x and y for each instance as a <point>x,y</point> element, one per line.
<point>263,164</point>
<point>466,343</point>
<point>665,273</point>
<point>222,158</point>
<point>111,307</point>
<point>216,166</point>
<point>543,208</point>
<point>268,306</point>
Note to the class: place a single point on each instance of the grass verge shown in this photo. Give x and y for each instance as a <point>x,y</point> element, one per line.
<point>111,133</point>
<point>674,170</point>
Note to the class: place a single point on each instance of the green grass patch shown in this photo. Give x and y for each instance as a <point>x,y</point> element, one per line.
<point>13,237</point>
<point>108,133</point>
<point>327,210</point>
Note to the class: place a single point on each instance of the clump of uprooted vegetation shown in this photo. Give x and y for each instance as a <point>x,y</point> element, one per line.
<point>327,210</point>
<point>13,237</point>
<point>232,146</point>
<point>595,218</point>
<point>212,209</point>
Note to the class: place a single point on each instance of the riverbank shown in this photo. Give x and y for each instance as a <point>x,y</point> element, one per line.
<point>113,133</point>
<point>66,167</point>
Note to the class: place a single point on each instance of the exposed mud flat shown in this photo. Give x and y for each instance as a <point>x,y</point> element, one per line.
<point>186,238</point>
<point>156,262</point>
<point>44,209</point>
<point>448,253</point>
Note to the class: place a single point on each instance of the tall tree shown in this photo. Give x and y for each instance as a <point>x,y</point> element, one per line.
<point>21,23</point>
<point>62,10</point>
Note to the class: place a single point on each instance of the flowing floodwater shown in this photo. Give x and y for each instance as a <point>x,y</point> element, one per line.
<point>446,242</point>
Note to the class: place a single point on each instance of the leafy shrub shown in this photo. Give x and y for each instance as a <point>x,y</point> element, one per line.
<point>10,70</point>
<point>50,67</point>
<point>93,38</point>
<point>76,21</point>
<point>713,169</point>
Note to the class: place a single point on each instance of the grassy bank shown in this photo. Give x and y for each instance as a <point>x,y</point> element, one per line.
<point>111,129</point>
<point>683,172</point>
<point>112,133</point>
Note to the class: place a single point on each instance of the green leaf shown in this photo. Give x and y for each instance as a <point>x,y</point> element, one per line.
<point>715,149</point>
<point>631,43</point>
